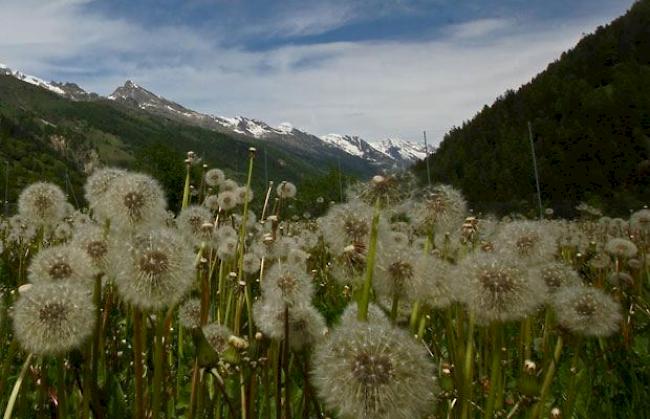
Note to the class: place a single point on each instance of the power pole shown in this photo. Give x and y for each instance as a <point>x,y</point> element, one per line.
<point>426,158</point>
<point>532,150</point>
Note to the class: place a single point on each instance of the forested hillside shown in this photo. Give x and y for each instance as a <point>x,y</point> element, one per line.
<point>590,116</point>
<point>47,137</point>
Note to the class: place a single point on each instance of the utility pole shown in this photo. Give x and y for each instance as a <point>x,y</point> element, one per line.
<point>426,158</point>
<point>266,168</point>
<point>6,201</point>
<point>532,150</point>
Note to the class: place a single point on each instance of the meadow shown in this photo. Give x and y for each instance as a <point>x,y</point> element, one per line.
<point>398,303</point>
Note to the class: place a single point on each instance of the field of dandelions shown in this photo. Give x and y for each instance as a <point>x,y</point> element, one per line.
<point>398,303</point>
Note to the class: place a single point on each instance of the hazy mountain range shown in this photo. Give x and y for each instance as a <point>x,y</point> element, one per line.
<point>385,153</point>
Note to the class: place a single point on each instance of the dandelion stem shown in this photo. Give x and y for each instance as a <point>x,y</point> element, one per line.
<point>186,187</point>
<point>394,307</point>
<point>158,368</point>
<point>468,369</point>
<point>62,390</point>
<point>138,347</point>
<point>370,266</point>
<point>495,369</point>
<point>548,379</point>
<point>14,392</point>
<point>571,393</point>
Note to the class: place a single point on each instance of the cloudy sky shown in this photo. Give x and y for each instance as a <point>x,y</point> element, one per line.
<point>374,68</point>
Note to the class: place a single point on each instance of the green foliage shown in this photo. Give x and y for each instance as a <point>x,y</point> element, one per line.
<point>34,122</point>
<point>590,115</point>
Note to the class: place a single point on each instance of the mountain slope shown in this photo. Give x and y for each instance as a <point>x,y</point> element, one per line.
<point>78,135</point>
<point>590,118</point>
<point>333,146</point>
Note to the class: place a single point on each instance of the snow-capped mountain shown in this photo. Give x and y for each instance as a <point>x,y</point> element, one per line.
<point>385,153</point>
<point>400,149</point>
<point>68,90</point>
<point>357,146</point>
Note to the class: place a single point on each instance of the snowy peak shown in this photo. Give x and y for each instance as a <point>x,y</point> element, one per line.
<point>6,71</point>
<point>68,90</point>
<point>388,152</point>
<point>400,149</point>
<point>144,99</point>
<point>401,152</point>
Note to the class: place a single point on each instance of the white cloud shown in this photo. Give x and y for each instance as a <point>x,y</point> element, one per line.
<point>373,89</point>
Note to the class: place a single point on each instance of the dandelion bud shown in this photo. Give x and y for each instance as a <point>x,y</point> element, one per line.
<point>530,367</point>
<point>259,336</point>
<point>23,289</point>
<point>237,342</point>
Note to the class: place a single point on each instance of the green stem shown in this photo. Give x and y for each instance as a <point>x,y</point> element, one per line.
<point>548,379</point>
<point>186,188</point>
<point>62,390</point>
<point>158,368</point>
<point>394,307</point>
<point>571,393</point>
<point>138,347</point>
<point>370,266</point>
<point>495,369</point>
<point>285,366</point>
<point>468,369</point>
<point>14,392</point>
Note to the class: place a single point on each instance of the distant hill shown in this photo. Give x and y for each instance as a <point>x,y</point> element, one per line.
<point>44,135</point>
<point>590,116</point>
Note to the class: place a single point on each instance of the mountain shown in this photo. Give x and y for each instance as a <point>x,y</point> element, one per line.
<point>402,152</point>
<point>45,135</point>
<point>590,121</point>
<point>67,90</point>
<point>350,149</point>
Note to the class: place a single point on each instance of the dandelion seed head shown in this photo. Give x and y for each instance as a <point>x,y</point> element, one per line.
<point>211,202</point>
<point>189,314</point>
<point>42,203</point>
<point>227,248</point>
<point>154,271</point>
<point>227,200</point>
<point>432,282</point>
<point>217,336</point>
<point>621,248</point>
<point>587,311</point>
<point>286,190</point>
<point>442,209</point>
<point>214,177</point>
<point>62,263</point>
<point>99,182</point>
<point>244,194</point>
<point>91,239</point>
<point>497,288</point>
<point>366,370</point>
<point>195,224</point>
<point>251,263</point>
<point>228,185</point>
<point>133,201</point>
<point>640,220</point>
<point>530,241</point>
<point>53,318</point>
<point>556,276</point>
<point>288,283</point>
<point>306,324</point>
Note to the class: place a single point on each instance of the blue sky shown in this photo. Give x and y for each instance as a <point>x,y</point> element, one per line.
<point>375,68</point>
